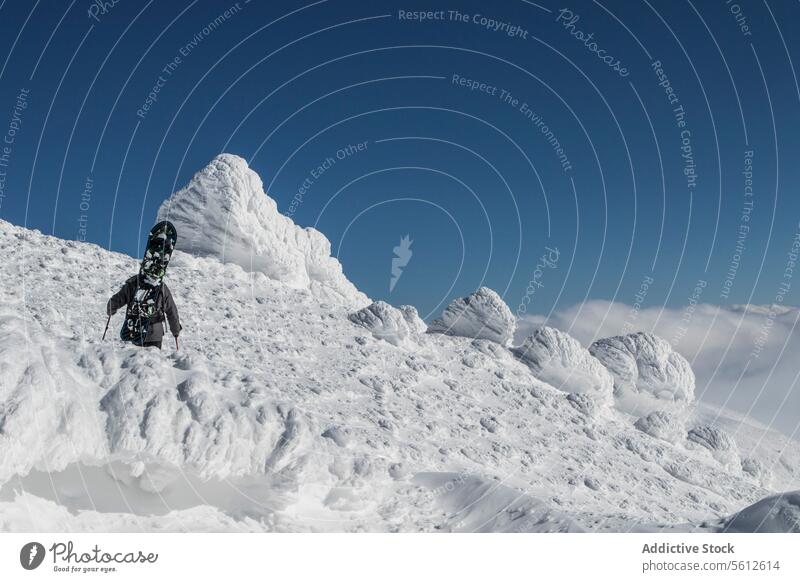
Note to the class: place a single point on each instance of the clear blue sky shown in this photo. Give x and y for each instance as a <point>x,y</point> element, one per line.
<point>467,173</point>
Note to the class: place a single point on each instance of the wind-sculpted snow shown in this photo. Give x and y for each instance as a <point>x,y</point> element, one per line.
<point>395,325</point>
<point>648,374</point>
<point>482,315</point>
<point>663,425</point>
<point>718,442</point>
<point>281,414</point>
<point>758,470</point>
<point>45,403</point>
<point>224,213</point>
<point>561,361</point>
<point>185,418</point>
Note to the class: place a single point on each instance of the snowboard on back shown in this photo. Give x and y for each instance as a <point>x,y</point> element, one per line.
<point>143,310</point>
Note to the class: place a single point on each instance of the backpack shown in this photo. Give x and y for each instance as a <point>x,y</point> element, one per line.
<point>145,309</point>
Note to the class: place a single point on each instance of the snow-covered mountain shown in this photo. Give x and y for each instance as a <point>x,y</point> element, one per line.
<point>224,213</point>
<point>295,405</point>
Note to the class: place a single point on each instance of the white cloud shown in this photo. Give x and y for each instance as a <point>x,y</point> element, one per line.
<point>745,357</point>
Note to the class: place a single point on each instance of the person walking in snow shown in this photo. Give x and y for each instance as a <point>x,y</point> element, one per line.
<point>146,297</point>
<point>156,302</point>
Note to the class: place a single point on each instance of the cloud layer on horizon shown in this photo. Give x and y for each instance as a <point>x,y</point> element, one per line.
<point>744,357</point>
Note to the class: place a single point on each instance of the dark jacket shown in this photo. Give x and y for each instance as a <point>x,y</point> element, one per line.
<point>166,306</point>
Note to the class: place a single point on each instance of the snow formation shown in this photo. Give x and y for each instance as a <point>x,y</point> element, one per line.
<point>282,412</point>
<point>758,470</point>
<point>718,442</point>
<point>481,315</point>
<point>662,425</point>
<point>224,213</point>
<point>561,361</point>
<point>648,374</point>
<point>395,325</point>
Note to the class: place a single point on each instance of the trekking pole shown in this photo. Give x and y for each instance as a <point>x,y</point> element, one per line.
<point>176,342</point>
<point>106,330</point>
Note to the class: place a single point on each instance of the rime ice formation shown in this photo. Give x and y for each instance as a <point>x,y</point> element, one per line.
<point>392,324</point>
<point>663,425</point>
<point>648,374</point>
<point>758,470</point>
<point>481,315</point>
<point>717,441</point>
<point>281,414</point>
<point>561,361</point>
<point>224,213</point>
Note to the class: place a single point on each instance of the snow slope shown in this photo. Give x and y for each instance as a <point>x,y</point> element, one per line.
<point>281,413</point>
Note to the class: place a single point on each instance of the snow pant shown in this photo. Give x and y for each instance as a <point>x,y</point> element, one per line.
<point>152,344</point>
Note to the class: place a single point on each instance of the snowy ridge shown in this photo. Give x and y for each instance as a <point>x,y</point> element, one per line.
<point>282,413</point>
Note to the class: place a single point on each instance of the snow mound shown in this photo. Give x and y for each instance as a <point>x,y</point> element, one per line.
<point>44,406</point>
<point>586,404</point>
<point>663,425</point>
<point>185,420</point>
<point>560,360</point>
<point>648,374</point>
<point>394,325</point>
<point>717,441</point>
<point>481,315</point>
<point>774,514</point>
<point>758,470</point>
<point>224,213</point>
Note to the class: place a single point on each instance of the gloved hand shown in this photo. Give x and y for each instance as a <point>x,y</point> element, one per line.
<point>110,311</point>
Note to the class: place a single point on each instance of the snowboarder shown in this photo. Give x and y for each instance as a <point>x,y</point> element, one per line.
<point>162,304</point>
<point>146,297</point>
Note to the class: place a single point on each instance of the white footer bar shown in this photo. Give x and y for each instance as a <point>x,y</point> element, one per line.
<point>389,557</point>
